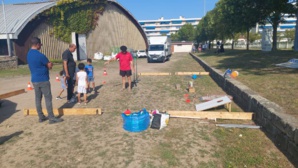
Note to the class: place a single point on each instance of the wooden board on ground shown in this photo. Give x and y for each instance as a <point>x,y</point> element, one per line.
<point>67,111</point>
<point>13,93</point>
<point>212,115</point>
<point>154,74</point>
<point>191,73</point>
<point>214,103</point>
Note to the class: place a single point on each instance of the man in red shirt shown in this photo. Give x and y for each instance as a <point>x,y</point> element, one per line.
<point>125,64</point>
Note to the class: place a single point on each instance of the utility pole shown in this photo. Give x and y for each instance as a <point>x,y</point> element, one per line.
<point>204,7</point>
<point>7,38</point>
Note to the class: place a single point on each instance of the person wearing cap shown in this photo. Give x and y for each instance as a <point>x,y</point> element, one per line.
<point>39,66</point>
<point>125,66</point>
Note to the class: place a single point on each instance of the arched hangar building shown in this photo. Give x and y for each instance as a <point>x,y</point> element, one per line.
<point>115,27</point>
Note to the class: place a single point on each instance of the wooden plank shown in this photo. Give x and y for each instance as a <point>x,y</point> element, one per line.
<point>13,93</point>
<point>191,73</point>
<point>212,115</point>
<point>67,111</point>
<point>154,73</point>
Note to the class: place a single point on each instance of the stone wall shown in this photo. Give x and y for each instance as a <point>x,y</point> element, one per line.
<point>281,128</point>
<point>7,62</point>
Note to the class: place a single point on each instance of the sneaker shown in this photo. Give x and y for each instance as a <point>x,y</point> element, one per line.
<point>58,98</point>
<point>55,120</point>
<point>43,119</point>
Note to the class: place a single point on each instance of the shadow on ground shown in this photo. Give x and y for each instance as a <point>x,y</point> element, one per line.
<point>91,96</point>
<point>7,109</point>
<point>6,138</point>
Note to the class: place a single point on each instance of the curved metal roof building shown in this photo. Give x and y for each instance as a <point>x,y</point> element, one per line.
<point>18,16</point>
<point>115,27</point>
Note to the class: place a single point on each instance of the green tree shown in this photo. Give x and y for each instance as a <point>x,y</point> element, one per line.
<point>254,36</point>
<point>174,37</point>
<point>205,30</point>
<point>186,33</point>
<point>290,34</point>
<point>277,10</point>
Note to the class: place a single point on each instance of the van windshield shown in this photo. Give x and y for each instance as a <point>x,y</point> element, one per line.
<point>156,47</point>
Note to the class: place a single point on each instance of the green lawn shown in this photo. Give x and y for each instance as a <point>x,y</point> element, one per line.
<point>257,70</point>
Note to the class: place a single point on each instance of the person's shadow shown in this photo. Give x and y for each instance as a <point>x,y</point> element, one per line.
<point>7,109</point>
<point>91,96</point>
<point>8,137</point>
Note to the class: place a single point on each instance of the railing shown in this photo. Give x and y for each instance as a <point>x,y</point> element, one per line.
<point>280,45</point>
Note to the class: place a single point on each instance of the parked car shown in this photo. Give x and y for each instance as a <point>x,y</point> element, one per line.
<point>141,53</point>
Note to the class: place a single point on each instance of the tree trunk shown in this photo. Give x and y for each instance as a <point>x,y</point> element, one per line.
<point>232,45</point>
<point>247,39</point>
<point>274,38</point>
<point>296,34</point>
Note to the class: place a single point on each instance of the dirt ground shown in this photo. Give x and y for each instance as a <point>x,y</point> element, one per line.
<point>100,141</point>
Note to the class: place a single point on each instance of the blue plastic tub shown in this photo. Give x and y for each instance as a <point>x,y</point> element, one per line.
<point>137,121</point>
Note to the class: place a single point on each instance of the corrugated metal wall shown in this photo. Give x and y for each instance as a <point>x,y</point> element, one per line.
<point>51,46</point>
<point>113,30</point>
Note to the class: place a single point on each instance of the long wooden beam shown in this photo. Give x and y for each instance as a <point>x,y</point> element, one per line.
<point>191,73</point>
<point>67,111</point>
<point>211,115</point>
<point>154,74</point>
<point>13,93</point>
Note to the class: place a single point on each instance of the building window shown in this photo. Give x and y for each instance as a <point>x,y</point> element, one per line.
<point>176,22</point>
<point>164,23</point>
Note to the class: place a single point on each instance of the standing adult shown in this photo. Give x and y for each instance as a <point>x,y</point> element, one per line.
<point>69,68</point>
<point>39,66</point>
<point>125,65</point>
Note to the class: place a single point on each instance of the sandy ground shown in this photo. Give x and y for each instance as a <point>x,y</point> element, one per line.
<point>100,141</point>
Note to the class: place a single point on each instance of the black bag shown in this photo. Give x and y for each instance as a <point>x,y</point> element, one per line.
<point>155,124</point>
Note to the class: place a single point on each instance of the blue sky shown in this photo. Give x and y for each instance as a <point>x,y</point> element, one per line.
<point>154,9</point>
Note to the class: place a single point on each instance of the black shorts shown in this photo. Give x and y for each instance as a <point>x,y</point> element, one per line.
<point>125,73</point>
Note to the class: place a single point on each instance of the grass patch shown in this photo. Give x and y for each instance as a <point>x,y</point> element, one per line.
<point>249,150</point>
<point>257,70</point>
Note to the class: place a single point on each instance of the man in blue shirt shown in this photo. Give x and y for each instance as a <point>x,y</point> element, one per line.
<point>39,66</point>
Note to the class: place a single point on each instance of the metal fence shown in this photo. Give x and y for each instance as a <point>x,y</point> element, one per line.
<point>258,45</point>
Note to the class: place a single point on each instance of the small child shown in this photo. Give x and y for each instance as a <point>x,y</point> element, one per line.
<point>63,84</point>
<point>90,69</point>
<point>81,80</point>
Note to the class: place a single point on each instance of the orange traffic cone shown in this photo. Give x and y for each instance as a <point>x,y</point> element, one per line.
<point>57,78</point>
<point>29,86</point>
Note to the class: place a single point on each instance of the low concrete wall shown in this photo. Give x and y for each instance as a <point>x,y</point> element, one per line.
<point>7,62</point>
<point>281,128</point>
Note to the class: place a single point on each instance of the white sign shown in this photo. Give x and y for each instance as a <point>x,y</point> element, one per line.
<point>267,39</point>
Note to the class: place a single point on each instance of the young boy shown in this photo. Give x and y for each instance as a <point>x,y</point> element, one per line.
<point>63,84</point>
<point>81,80</point>
<point>89,69</point>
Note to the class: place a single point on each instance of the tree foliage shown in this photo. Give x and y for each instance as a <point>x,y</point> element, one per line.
<point>185,33</point>
<point>231,17</point>
<point>290,34</point>
<point>277,10</point>
<point>74,16</point>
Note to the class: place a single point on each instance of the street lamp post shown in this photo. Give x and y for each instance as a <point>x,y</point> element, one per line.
<point>7,38</point>
<point>204,7</point>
